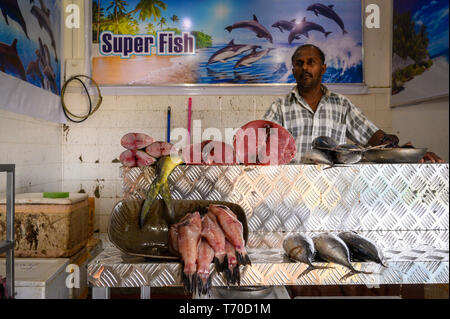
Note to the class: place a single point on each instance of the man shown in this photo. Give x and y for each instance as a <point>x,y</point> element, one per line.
<point>311,110</point>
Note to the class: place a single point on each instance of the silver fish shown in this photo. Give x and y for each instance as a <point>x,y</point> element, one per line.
<point>315,156</point>
<point>333,249</point>
<point>348,154</point>
<point>361,248</point>
<point>301,248</point>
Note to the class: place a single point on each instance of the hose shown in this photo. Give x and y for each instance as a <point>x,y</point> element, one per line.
<point>67,113</point>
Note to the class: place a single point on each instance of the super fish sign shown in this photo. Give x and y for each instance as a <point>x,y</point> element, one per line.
<point>166,43</point>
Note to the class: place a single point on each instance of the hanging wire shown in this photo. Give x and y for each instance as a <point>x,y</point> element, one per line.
<point>70,116</point>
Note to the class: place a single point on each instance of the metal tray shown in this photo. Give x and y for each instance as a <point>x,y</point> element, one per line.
<point>395,155</point>
<point>152,240</point>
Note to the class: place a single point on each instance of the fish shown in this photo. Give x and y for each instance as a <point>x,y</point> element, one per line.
<point>143,159</point>
<point>10,8</point>
<point>10,60</point>
<point>159,149</point>
<point>327,11</point>
<point>128,158</point>
<point>230,51</point>
<point>136,141</point>
<point>231,271</point>
<point>316,156</point>
<point>173,240</point>
<point>301,248</point>
<point>324,143</point>
<point>348,154</point>
<point>215,236</point>
<point>361,248</point>
<point>331,248</point>
<point>164,167</point>
<point>304,28</point>
<point>233,230</point>
<point>205,255</point>
<point>253,25</point>
<point>42,14</point>
<point>284,25</point>
<point>254,56</point>
<point>189,234</point>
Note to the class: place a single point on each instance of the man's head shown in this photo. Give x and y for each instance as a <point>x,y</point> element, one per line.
<point>308,66</point>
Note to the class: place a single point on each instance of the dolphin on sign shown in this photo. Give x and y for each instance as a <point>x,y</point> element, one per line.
<point>327,11</point>
<point>284,25</point>
<point>253,25</point>
<point>231,50</point>
<point>10,8</point>
<point>10,60</point>
<point>42,14</point>
<point>304,28</point>
<point>248,60</point>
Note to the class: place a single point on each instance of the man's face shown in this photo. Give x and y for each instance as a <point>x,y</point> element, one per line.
<point>308,68</point>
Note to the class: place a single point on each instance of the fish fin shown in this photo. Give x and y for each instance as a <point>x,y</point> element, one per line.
<point>315,12</point>
<point>165,193</point>
<point>344,32</point>
<point>281,29</point>
<point>231,42</point>
<point>331,6</point>
<point>223,61</point>
<point>148,202</point>
<point>304,19</point>
<point>255,18</point>
<point>229,29</point>
<point>5,16</point>
<point>327,34</point>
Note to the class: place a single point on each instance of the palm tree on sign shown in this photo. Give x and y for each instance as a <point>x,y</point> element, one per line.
<point>150,28</point>
<point>162,22</point>
<point>149,8</point>
<point>174,19</point>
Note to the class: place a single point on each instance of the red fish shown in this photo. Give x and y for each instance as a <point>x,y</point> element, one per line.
<point>233,230</point>
<point>159,149</point>
<point>136,141</point>
<point>205,256</point>
<point>215,236</point>
<point>232,271</point>
<point>189,232</point>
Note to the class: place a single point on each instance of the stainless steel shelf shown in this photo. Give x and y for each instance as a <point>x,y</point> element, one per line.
<point>8,245</point>
<point>5,246</point>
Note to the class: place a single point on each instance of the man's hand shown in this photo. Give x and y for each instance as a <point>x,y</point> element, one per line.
<point>431,157</point>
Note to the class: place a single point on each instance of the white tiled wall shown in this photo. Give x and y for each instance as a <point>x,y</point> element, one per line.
<point>35,147</point>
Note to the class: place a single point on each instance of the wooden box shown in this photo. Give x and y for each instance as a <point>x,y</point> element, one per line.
<point>48,228</point>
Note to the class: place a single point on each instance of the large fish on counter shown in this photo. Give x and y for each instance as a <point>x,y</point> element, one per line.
<point>333,249</point>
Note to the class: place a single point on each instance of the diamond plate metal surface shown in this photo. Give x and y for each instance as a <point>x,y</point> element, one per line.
<point>310,198</point>
<point>404,208</point>
<point>413,263</point>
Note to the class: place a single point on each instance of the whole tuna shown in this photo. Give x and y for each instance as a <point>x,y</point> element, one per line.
<point>361,248</point>
<point>333,249</point>
<point>301,248</point>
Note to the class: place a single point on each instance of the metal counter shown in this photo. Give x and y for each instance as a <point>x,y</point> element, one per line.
<point>402,207</point>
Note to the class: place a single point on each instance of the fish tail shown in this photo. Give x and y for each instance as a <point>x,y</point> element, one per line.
<point>311,268</point>
<point>203,285</point>
<point>243,259</point>
<point>229,29</point>
<point>189,281</point>
<point>221,263</point>
<point>228,276</point>
<point>237,275</point>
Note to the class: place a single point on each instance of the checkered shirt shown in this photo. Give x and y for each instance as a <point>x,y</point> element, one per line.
<point>335,117</point>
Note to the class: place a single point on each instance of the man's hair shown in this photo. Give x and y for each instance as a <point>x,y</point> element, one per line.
<point>321,54</point>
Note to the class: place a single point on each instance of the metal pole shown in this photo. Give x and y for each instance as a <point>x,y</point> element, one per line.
<point>10,210</point>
